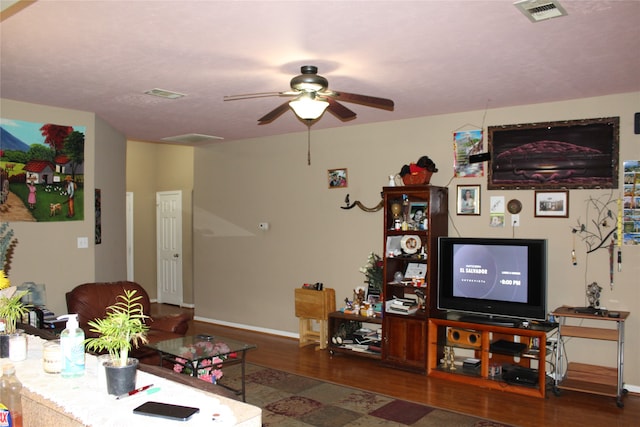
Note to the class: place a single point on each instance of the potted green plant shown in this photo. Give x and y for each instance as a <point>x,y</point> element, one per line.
<point>12,310</point>
<point>122,329</point>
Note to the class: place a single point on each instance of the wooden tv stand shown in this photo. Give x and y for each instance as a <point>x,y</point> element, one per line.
<point>442,333</point>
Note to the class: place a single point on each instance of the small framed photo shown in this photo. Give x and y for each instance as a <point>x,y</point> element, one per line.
<point>468,200</point>
<point>552,204</point>
<point>337,178</point>
<point>418,215</point>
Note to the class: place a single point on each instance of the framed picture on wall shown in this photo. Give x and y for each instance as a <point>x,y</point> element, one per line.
<point>552,204</point>
<point>555,155</point>
<point>468,200</point>
<point>337,178</point>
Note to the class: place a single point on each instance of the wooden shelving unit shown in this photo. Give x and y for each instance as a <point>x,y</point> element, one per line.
<point>481,350</point>
<point>404,342</point>
<point>587,378</point>
<point>338,318</point>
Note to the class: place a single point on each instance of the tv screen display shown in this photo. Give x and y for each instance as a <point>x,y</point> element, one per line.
<point>495,272</point>
<point>495,277</point>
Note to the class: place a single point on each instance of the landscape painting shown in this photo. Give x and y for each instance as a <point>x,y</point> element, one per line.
<point>41,171</point>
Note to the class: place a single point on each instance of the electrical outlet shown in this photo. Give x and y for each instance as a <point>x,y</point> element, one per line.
<point>263,226</point>
<point>515,220</point>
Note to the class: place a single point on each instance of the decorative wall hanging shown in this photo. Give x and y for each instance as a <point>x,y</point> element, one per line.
<point>496,211</point>
<point>567,154</point>
<point>358,203</point>
<point>467,143</point>
<point>41,171</point>
<point>98,208</point>
<point>629,211</point>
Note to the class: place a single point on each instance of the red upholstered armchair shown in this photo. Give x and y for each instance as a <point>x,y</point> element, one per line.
<point>90,301</point>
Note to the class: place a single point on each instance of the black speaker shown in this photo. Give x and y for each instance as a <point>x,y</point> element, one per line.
<point>477,158</point>
<point>465,337</point>
<point>636,122</point>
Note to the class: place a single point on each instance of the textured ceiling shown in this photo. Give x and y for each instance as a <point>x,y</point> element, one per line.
<point>430,57</point>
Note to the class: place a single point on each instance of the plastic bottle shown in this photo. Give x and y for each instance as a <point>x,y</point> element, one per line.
<point>72,348</point>
<point>11,387</point>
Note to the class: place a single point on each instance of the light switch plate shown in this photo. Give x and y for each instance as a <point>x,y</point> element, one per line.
<point>83,242</point>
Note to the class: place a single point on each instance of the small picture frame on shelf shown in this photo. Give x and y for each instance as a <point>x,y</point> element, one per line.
<point>337,178</point>
<point>468,201</point>
<point>418,215</point>
<point>415,269</point>
<point>552,204</point>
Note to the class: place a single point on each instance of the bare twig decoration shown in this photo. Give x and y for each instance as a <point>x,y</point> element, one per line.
<point>594,233</point>
<point>357,203</point>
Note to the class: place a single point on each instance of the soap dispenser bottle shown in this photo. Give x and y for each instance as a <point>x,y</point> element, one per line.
<point>72,348</point>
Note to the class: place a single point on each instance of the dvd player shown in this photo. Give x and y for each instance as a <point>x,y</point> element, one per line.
<point>507,347</point>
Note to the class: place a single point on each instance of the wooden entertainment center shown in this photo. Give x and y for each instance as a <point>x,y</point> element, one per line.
<point>475,340</point>
<point>481,351</point>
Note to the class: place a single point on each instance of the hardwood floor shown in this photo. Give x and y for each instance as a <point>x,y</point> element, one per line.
<point>568,409</point>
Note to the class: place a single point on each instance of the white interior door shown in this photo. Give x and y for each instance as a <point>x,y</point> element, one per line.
<point>169,246</point>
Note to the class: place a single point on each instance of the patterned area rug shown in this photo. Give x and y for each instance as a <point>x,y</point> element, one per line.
<point>289,400</point>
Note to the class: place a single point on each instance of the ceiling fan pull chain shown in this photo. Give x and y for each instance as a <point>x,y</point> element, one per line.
<point>308,144</point>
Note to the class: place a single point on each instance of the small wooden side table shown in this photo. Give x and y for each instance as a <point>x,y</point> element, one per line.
<point>314,306</point>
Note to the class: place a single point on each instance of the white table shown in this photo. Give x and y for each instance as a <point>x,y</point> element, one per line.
<point>50,400</point>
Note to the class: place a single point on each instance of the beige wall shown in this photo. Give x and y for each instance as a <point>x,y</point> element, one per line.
<point>246,276</point>
<point>110,178</point>
<point>47,252</point>
<point>152,168</point>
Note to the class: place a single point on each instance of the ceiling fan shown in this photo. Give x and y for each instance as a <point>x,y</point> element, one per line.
<point>312,97</point>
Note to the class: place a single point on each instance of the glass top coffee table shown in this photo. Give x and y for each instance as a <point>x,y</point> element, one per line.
<point>196,353</point>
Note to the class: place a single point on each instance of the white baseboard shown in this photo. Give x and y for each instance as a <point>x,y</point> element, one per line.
<point>247,327</point>
<point>183,305</point>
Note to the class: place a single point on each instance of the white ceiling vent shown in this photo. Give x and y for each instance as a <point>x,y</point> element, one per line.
<point>192,138</point>
<point>540,10</point>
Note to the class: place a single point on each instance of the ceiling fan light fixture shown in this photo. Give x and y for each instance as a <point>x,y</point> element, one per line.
<point>307,107</point>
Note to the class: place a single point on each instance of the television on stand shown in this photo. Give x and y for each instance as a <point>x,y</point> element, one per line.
<point>493,280</point>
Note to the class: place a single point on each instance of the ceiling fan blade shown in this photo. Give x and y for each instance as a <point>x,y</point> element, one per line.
<point>369,101</point>
<point>339,110</point>
<point>274,114</point>
<point>258,95</point>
